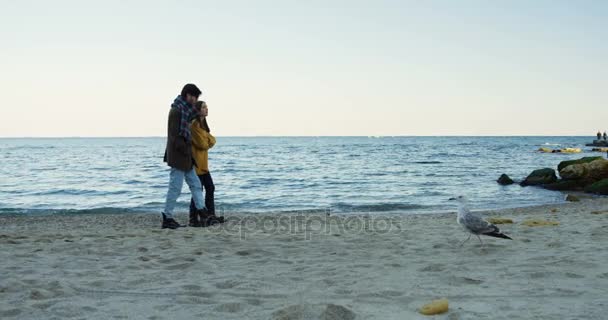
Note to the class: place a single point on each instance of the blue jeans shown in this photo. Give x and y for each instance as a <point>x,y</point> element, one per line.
<point>176,181</point>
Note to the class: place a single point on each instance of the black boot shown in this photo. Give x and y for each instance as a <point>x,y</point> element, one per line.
<point>169,223</point>
<point>208,219</point>
<point>194,222</point>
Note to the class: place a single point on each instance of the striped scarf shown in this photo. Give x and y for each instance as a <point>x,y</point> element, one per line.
<point>188,114</point>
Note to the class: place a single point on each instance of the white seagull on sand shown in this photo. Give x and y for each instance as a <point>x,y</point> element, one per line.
<point>474,224</point>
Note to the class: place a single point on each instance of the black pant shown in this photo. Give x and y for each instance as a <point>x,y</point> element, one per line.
<point>207,183</point>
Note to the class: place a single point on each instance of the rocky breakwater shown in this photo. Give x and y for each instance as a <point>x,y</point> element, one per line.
<point>589,174</point>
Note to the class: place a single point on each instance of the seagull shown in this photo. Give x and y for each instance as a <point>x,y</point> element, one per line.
<point>474,224</point>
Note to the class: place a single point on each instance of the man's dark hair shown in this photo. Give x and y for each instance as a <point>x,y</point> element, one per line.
<point>191,89</point>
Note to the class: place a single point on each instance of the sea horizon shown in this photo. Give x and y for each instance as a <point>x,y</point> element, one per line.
<point>298,136</point>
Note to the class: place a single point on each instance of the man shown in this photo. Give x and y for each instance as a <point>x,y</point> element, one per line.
<point>178,155</point>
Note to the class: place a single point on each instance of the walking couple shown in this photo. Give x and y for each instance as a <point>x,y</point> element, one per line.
<point>188,141</point>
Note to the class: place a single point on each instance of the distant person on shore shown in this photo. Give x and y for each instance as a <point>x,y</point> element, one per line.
<point>202,141</point>
<point>599,135</point>
<point>178,154</point>
<point>604,135</point>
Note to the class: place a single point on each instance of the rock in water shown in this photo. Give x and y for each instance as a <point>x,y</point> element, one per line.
<point>564,164</point>
<point>435,307</point>
<point>540,177</point>
<point>587,172</point>
<point>505,180</point>
<point>600,187</point>
<point>565,185</point>
<point>571,198</point>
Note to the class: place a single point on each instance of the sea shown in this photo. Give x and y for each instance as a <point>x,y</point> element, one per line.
<point>253,175</point>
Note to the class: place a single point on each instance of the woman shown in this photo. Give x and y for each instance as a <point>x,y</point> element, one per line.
<point>202,141</point>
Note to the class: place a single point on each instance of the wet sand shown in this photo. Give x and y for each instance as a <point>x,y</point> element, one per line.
<point>288,266</point>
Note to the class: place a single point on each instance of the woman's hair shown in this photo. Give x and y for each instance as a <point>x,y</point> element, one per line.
<point>199,107</point>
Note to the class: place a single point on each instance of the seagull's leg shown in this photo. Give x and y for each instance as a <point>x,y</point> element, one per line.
<point>467,239</point>
<point>478,237</point>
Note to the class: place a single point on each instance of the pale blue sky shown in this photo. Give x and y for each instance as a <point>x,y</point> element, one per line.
<point>111,68</point>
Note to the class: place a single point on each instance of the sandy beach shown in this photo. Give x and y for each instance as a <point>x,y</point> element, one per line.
<point>290,266</point>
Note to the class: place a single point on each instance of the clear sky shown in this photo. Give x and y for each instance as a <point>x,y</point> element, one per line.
<point>112,68</point>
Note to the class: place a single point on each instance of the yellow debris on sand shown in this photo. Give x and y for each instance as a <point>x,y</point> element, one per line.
<point>599,212</point>
<point>554,210</point>
<point>435,307</point>
<point>500,220</point>
<point>539,223</point>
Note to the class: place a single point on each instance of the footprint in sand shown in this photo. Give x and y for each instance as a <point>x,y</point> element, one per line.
<point>305,311</point>
<point>192,287</point>
<point>179,266</point>
<point>10,313</point>
<point>229,284</point>
<point>435,267</point>
<point>40,294</point>
<point>233,307</point>
<point>464,281</point>
<point>43,305</point>
<point>198,252</point>
<point>254,302</point>
<point>573,275</point>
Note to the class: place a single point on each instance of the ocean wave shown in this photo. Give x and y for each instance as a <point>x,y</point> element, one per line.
<point>103,210</point>
<point>78,192</point>
<point>427,162</point>
<point>376,207</point>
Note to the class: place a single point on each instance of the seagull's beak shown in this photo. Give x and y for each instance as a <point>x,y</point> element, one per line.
<point>451,199</point>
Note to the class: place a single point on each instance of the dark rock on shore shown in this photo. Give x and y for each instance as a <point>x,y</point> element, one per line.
<point>565,185</point>
<point>599,187</point>
<point>587,172</point>
<point>505,180</point>
<point>598,143</point>
<point>571,198</point>
<point>540,177</point>
<point>564,164</point>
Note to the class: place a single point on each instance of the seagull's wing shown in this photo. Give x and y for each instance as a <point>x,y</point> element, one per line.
<point>476,224</point>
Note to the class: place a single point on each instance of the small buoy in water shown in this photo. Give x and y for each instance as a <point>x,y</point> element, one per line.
<point>435,307</point>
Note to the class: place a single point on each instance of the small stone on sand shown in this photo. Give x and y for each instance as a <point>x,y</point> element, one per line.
<point>599,212</point>
<point>571,198</point>
<point>435,307</point>
<point>500,220</point>
<point>539,223</point>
